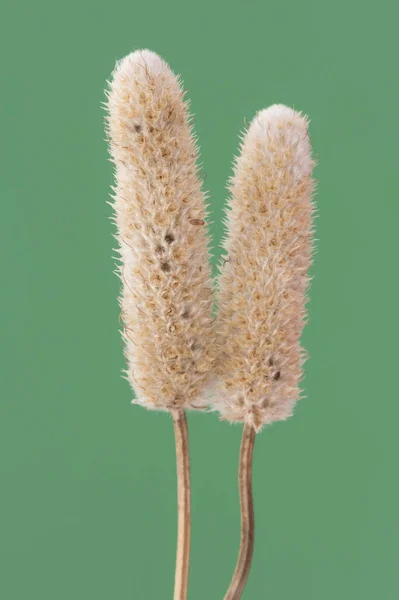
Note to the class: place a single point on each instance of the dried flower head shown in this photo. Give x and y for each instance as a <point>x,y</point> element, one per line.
<point>264,279</point>
<point>160,213</point>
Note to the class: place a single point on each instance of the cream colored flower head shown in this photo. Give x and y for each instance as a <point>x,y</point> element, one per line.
<point>263,279</point>
<point>166,299</point>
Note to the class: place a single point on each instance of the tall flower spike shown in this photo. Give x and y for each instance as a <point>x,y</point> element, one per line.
<point>264,279</point>
<point>262,293</point>
<point>160,215</point>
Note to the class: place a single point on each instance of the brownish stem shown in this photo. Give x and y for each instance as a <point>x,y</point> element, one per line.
<point>183,503</point>
<point>243,565</point>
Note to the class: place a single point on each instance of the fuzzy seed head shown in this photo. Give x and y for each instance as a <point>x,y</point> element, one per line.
<point>263,278</point>
<point>166,299</point>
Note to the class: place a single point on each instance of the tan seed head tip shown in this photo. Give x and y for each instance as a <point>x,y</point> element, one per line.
<point>284,116</point>
<point>144,70</point>
<point>140,63</point>
<point>282,126</point>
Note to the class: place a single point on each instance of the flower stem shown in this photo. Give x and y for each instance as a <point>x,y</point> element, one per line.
<point>243,565</point>
<point>183,503</point>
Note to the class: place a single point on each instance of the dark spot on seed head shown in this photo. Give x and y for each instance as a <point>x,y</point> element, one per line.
<point>169,238</point>
<point>137,128</point>
<point>185,314</point>
<point>165,267</point>
<point>277,376</point>
<point>159,250</point>
<point>271,361</point>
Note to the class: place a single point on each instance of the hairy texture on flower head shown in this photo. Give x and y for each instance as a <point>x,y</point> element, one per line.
<point>263,279</point>
<point>166,301</point>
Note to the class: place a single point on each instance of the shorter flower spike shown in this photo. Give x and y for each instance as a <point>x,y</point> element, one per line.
<point>263,280</point>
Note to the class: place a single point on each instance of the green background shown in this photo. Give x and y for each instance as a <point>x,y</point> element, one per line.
<point>88,480</point>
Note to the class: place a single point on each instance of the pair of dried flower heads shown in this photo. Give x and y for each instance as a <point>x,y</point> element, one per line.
<point>249,358</point>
